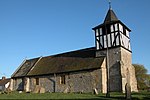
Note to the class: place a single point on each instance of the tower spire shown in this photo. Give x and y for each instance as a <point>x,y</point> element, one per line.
<point>110,4</point>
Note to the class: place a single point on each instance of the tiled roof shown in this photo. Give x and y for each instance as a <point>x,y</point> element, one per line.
<point>51,65</point>
<point>78,60</point>
<point>25,68</point>
<point>83,53</point>
<point>110,17</point>
<point>3,82</point>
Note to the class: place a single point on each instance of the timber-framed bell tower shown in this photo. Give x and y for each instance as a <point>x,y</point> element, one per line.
<point>112,39</point>
<point>118,34</point>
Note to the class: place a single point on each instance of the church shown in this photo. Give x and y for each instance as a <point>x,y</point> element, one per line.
<point>109,62</point>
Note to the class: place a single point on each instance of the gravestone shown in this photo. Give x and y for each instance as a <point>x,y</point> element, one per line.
<point>39,89</point>
<point>66,90</point>
<point>95,91</point>
<point>42,90</point>
<point>36,89</point>
<point>128,91</point>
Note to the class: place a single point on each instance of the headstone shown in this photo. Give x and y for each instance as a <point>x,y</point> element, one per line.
<point>66,90</point>
<point>36,89</point>
<point>128,91</point>
<point>20,91</point>
<point>42,90</point>
<point>95,91</point>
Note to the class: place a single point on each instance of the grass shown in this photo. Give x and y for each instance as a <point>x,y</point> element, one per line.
<point>114,96</point>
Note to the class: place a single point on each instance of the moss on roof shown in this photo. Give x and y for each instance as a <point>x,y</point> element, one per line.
<point>78,60</point>
<point>51,65</point>
<point>25,68</point>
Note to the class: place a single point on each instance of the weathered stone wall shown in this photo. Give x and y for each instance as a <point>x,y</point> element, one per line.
<point>81,81</point>
<point>127,70</point>
<point>133,80</point>
<point>26,84</point>
<point>120,64</point>
<point>49,83</point>
<point>32,83</point>
<point>114,68</point>
<point>104,77</point>
<point>84,81</point>
<point>18,84</point>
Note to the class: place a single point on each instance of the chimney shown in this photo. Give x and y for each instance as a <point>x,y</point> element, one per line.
<point>3,78</point>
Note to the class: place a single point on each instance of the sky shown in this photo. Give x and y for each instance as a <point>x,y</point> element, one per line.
<point>34,28</point>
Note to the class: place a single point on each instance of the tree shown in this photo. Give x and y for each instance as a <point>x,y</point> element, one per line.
<point>143,78</point>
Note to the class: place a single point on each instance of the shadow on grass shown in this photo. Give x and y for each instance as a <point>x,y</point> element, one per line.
<point>137,96</point>
<point>114,98</point>
<point>146,98</point>
<point>134,96</point>
<point>120,98</point>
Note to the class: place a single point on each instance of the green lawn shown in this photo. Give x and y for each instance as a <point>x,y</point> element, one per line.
<point>114,96</point>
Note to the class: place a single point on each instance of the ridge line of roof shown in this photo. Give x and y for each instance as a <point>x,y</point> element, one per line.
<point>71,51</point>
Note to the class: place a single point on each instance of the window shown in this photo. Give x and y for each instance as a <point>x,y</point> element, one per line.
<point>62,79</point>
<point>37,81</point>
<point>104,30</point>
<point>108,29</point>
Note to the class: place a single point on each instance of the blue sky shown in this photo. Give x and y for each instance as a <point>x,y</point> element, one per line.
<point>33,28</point>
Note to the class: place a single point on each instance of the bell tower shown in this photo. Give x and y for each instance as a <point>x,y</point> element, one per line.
<point>114,31</point>
<point>112,39</point>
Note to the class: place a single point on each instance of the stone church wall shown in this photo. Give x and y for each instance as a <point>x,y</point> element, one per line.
<point>84,81</point>
<point>128,71</point>
<point>79,81</point>
<point>120,61</point>
<point>114,68</point>
<point>18,84</point>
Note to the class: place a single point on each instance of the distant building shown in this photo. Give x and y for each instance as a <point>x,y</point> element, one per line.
<point>4,83</point>
<point>86,69</point>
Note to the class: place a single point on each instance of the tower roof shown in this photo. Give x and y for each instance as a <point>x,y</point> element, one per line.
<point>111,16</point>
